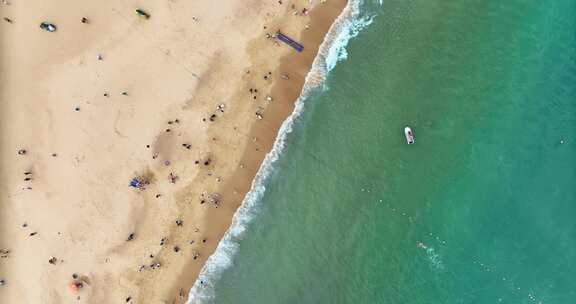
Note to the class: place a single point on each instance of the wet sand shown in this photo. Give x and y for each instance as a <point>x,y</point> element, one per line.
<point>168,99</point>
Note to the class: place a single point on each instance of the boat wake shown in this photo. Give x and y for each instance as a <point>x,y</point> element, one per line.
<point>332,50</point>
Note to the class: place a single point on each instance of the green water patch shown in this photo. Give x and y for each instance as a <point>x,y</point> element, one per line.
<point>479,210</point>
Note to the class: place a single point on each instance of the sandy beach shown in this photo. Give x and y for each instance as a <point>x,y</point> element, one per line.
<point>127,143</point>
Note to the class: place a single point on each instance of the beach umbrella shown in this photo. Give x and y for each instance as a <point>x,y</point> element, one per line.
<point>74,287</point>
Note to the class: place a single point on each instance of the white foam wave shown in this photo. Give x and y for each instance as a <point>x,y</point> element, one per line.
<point>347,26</point>
<point>351,30</point>
<point>332,50</point>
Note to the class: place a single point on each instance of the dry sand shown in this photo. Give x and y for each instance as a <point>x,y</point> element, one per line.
<point>95,104</point>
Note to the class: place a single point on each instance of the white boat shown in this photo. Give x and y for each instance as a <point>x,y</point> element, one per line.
<point>409,135</point>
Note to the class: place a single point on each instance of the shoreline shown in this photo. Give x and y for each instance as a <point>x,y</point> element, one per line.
<point>267,130</point>
<point>323,61</point>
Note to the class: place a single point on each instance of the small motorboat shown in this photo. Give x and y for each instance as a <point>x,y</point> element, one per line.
<point>409,135</point>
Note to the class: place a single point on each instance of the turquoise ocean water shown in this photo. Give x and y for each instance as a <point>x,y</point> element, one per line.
<point>482,209</point>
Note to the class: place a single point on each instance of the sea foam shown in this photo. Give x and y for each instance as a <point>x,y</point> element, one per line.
<point>331,51</point>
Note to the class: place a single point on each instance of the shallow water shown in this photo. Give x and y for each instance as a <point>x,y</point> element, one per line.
<point>480,210</point>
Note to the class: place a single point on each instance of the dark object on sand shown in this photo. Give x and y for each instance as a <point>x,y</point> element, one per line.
<point>7,19</point>
<point>135,183</point>
<point>21,152</point>
<point>139,182</point>
<point>48,26</point>
<point>173,177</point>
<point>84,20</point>
<point>130,237</point>
<point>4,253</point>
<point>295,45</point>
<point>142,13</point>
